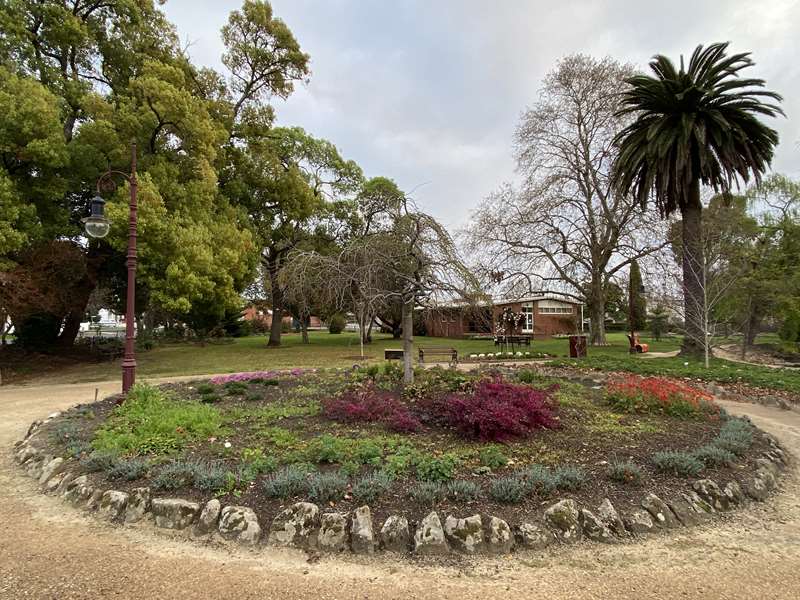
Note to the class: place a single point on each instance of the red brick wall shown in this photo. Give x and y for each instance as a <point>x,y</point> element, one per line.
<point>544,324</point>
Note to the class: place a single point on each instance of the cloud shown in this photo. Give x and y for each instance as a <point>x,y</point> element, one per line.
<point>430,92</point>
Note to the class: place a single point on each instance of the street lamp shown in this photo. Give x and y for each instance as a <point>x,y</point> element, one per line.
<point>97,226</point>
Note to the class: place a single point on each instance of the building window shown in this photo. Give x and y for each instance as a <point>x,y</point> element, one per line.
<point>555,310</point>
<point>527,320</point>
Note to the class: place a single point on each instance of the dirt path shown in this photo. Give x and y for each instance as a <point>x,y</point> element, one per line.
<point>50,551</point>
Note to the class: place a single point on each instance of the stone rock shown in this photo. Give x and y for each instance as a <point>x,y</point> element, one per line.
<point>499,538</point>
<point>296,526</point>
<point>112,505</point>
<point>69,477</point>
<point>429,537</point>
<point>209,517</point>
<point>35,466</point>
<point>770,466</point>
<point>564,518</point>
<point>594,528</point>
<point>660,512</point>
<point>332,533</point>
<point>533,537</point>
<point>241,524</point>
<point>734,492</point>
<point>50,469</point>
<point>55,482</point>
<point>78,490</point>
<point>138,505</point>
<point>464,535</point>
<point>638,521</point>
<point>610,517</point>
<point>26,453</point>
<point>756,488</point>
<point>174,513</point>
<point>770,482</point>
<point>684,512</point>
<point>94,500</point>
<point>395,534</point>
<point>362,538</point>
<point>700,506</point>
<point>709,491</point>
<point>32,429</point>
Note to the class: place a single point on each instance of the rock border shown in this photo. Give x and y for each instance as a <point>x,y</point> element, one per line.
<point>304,526</point>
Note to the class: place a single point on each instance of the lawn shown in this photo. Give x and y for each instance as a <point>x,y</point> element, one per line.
<point>324,350</point>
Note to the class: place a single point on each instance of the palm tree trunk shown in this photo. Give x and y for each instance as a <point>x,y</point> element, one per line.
<point>693,264</point>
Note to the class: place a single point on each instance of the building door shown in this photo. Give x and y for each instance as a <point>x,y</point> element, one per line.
<point>527,317</point>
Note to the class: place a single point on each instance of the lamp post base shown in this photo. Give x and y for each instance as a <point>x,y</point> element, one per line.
<point>128,374</point>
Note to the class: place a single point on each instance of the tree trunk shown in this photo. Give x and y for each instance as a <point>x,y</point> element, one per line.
<point>304,329</point>
<point>72,325</point>
<point>397,331</point>
<point>693,303</point>
<point>408,341</point>
<point>277,306</point>
<point>597,311</point>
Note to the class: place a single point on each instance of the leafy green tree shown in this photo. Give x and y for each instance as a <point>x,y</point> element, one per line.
<point>637,303</point>
<point>291,184</point>
<point>95,76</point>
<point>659,322</point>
<point>694,125</point>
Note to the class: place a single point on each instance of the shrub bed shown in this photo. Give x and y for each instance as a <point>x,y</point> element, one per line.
<point>495,441</point>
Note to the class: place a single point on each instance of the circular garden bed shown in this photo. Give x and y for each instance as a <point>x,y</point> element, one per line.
<point>338,459</point>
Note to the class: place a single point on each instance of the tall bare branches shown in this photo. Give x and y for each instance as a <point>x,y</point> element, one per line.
<point>564,228</point>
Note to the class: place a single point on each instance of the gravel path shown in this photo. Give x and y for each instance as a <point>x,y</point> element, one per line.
<point>50,551</point>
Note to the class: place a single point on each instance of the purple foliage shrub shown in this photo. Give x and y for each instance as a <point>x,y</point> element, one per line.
<point>497,411</point>
<point>366,403</point>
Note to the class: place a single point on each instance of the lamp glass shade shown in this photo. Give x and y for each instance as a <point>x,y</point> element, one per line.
<point>96,224</point>
<point>97,227</point>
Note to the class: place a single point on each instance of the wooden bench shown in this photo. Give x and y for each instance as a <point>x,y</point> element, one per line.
<point>637,347</point>
<point>518,340</point>
<point>450,353</point>
<point>392,354</point>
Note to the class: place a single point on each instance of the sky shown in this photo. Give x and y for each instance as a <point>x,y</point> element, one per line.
<point>429,93</point>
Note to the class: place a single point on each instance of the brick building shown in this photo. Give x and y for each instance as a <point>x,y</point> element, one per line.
<point>543,316</point>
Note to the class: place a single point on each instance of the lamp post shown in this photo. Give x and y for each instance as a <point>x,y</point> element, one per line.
<point>97,226</point>
<point>630,314</point>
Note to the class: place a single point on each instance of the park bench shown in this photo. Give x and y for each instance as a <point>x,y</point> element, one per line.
<point>518,340</point>
<point>393,354</point>
<point>450,353</point>
<point>636,346</point>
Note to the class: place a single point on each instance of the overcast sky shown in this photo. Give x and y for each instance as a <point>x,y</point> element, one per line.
<point>429,92</point>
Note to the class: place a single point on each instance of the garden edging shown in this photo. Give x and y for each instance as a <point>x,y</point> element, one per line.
<point>303,525</point>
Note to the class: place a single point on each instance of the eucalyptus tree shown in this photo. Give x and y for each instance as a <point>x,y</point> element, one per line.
<point>696,124</point>
<point>565,228</point>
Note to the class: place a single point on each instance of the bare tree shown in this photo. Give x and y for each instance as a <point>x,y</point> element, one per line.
<point>564,228</point>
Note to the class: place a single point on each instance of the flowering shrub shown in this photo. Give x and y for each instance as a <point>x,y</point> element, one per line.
<point>657,394</point>
<point>497,410</point>
<point>366,403</point>
<point>245,377</point>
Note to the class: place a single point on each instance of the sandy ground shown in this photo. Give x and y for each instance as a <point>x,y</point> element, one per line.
<point>50,551</point>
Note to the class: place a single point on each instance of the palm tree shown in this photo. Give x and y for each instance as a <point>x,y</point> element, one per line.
<point>693,126</point>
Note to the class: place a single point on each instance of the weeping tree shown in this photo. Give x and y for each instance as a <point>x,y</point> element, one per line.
<point>693,125</point>
<point>413,262</point>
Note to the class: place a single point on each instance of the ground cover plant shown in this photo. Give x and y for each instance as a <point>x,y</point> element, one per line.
<point>501,441</point>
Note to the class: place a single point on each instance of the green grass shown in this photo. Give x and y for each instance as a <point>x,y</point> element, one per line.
<point>149,422</point>
<point>326,350</point>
